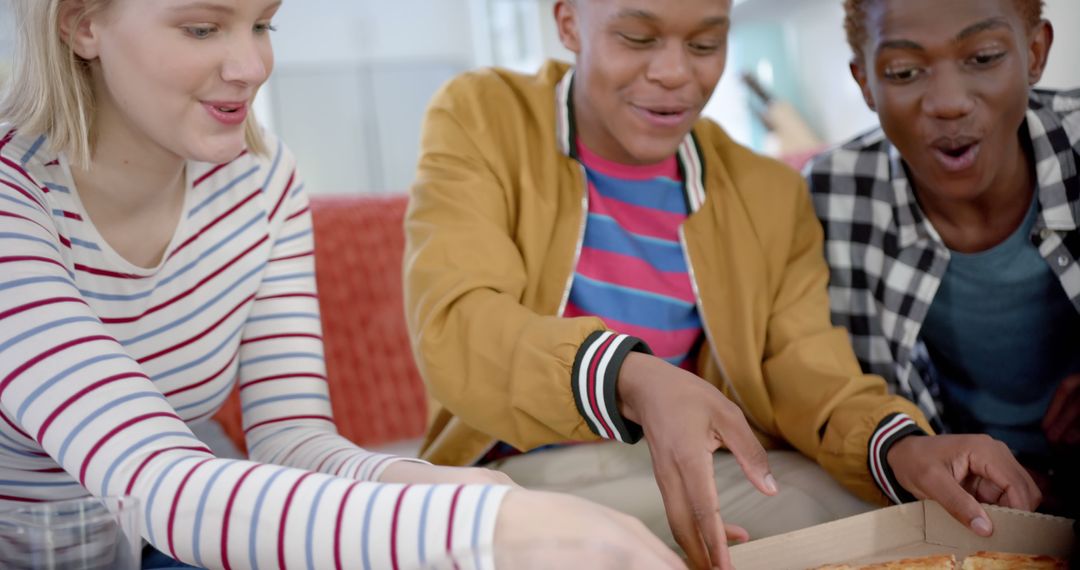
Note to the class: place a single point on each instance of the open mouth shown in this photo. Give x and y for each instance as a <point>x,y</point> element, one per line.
<point>663,116</point>
<point>956,154</point>
<point>227,112</point>
<point>959,151</point>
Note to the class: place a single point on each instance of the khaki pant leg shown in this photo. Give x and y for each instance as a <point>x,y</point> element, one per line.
<point>620,476</point>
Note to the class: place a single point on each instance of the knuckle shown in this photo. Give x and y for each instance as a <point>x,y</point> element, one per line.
<point>702,511</point>
<point>730,411</point>
<point>758,455</point>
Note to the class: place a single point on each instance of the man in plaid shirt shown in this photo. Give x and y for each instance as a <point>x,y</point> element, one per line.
<point>951,232</point>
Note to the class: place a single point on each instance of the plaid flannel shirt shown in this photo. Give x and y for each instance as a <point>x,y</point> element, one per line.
<point>887,261</point>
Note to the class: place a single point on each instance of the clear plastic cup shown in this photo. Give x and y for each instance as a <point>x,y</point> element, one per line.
<point>80,534</point>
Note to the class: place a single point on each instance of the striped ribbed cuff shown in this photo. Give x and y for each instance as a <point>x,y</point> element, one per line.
<point>473,545</point>
<point>593,380</point>
<point>891,430</point>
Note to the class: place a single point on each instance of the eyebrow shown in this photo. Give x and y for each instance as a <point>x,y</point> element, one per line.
<point>208,6</point>
<point>639,14</point>
<point>985,25</point>
<point>215,7</point>
<point>972,30</point>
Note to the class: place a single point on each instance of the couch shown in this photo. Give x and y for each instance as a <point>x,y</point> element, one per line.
<point>378,397</point>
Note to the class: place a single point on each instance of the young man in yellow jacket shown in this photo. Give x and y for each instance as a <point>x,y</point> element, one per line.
<point>567,225</point>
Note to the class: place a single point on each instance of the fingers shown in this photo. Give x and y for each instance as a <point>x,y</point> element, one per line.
<point>739,439</point>
<point>679,516</point>
<point>700,483</point>
<point>736,533</point>
<point>987,492</point>
<point>996,466</point>
<point>958,502</point>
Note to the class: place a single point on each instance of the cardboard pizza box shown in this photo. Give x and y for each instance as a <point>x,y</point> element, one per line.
<point>905,531</point>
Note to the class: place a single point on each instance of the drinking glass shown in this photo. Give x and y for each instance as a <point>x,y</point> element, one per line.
<point>79,534</point>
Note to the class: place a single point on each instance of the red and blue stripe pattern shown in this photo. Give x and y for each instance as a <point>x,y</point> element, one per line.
<point>103,363</point>
<point>633,274</point>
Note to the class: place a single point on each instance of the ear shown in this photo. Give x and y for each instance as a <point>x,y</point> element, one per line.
<point>858,72</point>
<point>1039,41</point>
<point>566,20</point>
<point>76,29</point>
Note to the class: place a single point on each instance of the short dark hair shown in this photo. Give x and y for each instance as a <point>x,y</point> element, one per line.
<point>855,19</point>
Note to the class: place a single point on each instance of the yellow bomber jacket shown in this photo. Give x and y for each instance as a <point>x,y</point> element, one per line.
<point>494,230</point>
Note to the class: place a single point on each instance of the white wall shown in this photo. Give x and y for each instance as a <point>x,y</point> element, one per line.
<point>352,82</point>
<point>332,31</point>
<point>1063,71</point>
<point>7,38</point>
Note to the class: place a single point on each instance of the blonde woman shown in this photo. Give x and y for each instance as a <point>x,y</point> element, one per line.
<point>156,250</point>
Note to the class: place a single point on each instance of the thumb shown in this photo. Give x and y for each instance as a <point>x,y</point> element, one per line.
<point>960,504</point>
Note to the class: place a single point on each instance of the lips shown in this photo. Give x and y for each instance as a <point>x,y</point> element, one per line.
<point>227,112</point>
<point>956,154</point>
<point>663,116</point>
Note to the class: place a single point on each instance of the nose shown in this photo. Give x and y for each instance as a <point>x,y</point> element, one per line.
<point>947,96</point>
<point>670,67</point>
<point>248,61</point>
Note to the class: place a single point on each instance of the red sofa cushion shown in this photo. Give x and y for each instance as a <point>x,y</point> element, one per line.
<point>377,394</point>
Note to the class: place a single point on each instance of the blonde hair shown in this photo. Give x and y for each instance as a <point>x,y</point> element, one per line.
<point>50,91</point>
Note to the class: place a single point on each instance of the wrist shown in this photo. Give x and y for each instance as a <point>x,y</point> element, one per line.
<point>404,470</point>
<point>630,385</point>
<point>900,449</point>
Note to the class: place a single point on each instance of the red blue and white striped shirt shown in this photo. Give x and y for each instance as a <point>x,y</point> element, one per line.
<point>632,271</point>
<point>103,363</point>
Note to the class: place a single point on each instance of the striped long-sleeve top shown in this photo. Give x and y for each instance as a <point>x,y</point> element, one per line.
<point>103,363</point>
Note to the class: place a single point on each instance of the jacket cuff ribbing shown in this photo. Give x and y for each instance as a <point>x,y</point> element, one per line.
<point>593,381</point>
<point>891,430</point>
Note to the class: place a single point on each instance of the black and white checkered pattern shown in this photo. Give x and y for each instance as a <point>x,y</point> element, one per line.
<point>887,260</point>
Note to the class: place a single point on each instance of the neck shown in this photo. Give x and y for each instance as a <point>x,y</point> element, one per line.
<point>127,171</point>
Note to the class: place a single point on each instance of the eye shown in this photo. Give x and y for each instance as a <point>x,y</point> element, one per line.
<point>986,59</point>
<point>902,74</point>
<point>265,28</point>
<point>200,32</point>
<point>636,40</point>
<point>704,48</point>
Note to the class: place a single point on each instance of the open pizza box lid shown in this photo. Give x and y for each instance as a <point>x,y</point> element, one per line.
<point>905,531</point>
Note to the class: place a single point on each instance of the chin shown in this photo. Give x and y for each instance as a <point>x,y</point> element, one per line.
<point>653,150</point>
<point>218,151</point>
<point>961,190</point>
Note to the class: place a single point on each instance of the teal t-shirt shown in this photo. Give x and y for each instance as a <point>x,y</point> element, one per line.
<point>1002,334</point>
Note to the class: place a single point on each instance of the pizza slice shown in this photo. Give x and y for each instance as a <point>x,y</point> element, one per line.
<point>936,562</point>
<point>1007,561</point>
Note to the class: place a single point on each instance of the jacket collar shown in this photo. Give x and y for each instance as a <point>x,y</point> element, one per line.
<point>691,164</point>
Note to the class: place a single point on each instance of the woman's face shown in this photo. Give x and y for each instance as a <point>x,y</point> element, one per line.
<point>179,74</point>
